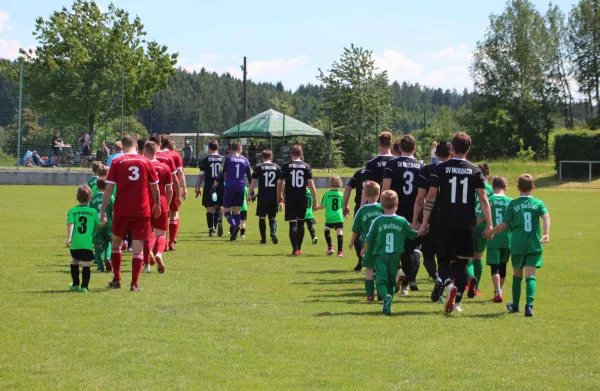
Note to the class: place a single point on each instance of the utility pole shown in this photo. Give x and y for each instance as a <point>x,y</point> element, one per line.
<point>244,98</point>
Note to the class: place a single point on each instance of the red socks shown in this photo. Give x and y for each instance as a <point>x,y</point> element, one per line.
<point>136,268</point>
<point>173,228</point>
<point>160,245</point>
<point>146,252</point>
<point>116,258</point>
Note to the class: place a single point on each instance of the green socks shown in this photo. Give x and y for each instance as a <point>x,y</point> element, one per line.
<point>516,290</point>
<point>99,253</point>
<point>478,270</point>
<point>530,288</point>
<point>108,250</point>
<point>370,287</point>
<point>470,269</point>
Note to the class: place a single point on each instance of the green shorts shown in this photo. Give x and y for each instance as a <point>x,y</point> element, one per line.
<point>368,261</point>
<point>496,256</point>
<point>519,261</point>
<point>480,240</point>
<point>103,235</point>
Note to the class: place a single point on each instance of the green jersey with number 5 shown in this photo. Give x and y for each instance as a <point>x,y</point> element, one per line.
<point>388,233</point>
<point>499,203</point>
<point>84,220</point>
<point>333,200</point>
<point>523,218</point>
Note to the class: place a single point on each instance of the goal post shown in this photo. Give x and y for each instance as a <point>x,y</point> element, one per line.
<point>588,162</point>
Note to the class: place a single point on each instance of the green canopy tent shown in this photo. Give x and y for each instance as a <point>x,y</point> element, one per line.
<point>271,124</point>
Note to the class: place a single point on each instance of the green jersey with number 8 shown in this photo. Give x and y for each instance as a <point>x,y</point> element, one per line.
<point>523,217</point>
<point>388,233</point>
<point>333,200</point>
<point>84,220</point>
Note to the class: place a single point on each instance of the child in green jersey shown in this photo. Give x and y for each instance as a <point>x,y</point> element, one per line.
<point>309,218</point>
<point>103,236</point>
<point>92,181</point>
<point>244,214</point>
<point>333,202</point>
<point>523,216</point>
<point>362,222</point>
<point>498,249</point>
<point>81,223</point>
<point>386,240</point>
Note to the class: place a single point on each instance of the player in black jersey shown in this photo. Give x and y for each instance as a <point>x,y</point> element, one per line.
<point>457,182</point>
<point>443,152</point>
<point>210,167</point>
<point>403,175</point>
<point>374,168</point>
<point>266,174</point>
<point>295,177</point>
<point>356,182</point>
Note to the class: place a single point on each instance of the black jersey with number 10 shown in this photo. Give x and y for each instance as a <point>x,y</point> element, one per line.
<point>406,175</point>
<point>457,181</point>
<point>296,174</point>
<point>267,175</point>
<point>211,166</point>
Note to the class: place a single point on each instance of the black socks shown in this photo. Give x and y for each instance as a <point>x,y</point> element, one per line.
<point>85,274</point>
<point>262,227</point>
<point>75,274</point>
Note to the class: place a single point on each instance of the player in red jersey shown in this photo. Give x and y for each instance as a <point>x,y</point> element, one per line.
<point>168,148</point>
<point>135,178</point>
<point>158,242</point>
<point>165,158</point>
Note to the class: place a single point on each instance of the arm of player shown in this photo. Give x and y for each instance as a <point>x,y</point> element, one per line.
<point>69,234</point>
<point>108,190</point>
<point>418,208</point>
<point>496,230</point>
<point>280,188</point>
<point>182,183</point>
<point>251,189</point>
<point>313,192</point>
<point>200,178</point>
<point>386,185</point>
<point>156,210</point>
<point>176,185</point>
<point>347,193</point>
<point>352,240</point>
<point>169,189</point>
<point>429,204</point>
<point>363,196</point>
<point>486,209</point>
<point>546,221</point>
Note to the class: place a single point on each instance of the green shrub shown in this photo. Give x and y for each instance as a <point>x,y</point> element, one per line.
<point>578,146</point>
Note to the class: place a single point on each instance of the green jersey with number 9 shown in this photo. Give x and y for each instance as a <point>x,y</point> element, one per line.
<point>84,220</point>
<point>498,204</point>
<point>523,218</point>
<point>388,233</point>
<point>333,200</point>
<point>309,205</point>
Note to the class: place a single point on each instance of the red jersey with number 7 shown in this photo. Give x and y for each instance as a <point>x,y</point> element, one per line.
<point>132,174</point>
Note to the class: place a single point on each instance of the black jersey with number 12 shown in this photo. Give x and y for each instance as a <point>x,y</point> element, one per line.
<point>211,166</point>
<point>267,175</point>
<point>457,181</point>
<point>296,174</point>
<point>406,175</point>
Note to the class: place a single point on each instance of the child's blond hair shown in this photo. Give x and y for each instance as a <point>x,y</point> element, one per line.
<point>372,189</point>
<point>84,194</point>
<point>95,165</point>
<point>102,171</point>
<point>335,181</point>
<point>389,199</point>
<point>526,183</point>
<point>499,182</point>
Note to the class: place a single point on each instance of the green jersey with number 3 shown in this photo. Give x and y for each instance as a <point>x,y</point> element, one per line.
<point>364,218</point>
<point>309,205</point>
<point>499,203</point>
<point>333,200</point>
<point>523,217</point>
<point>388,233</point>
<point>84,220</point>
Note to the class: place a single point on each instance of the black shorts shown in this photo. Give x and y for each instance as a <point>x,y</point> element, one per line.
<point>451,244</point>
<point>310,222</point>
<point>295,209</point>
<point>244,215</point>
<point>428,242</point>
<point>207,201</point>
<point>83,255</point>
<point>335,225</point>
<point>266,208</point>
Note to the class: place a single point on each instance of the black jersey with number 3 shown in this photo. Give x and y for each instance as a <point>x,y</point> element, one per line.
<point>406,175</point>
<point>211,166</point>
<point>457,181</point>
<point>374,168</point>
<point>267,175</point>
<point>296,174</point>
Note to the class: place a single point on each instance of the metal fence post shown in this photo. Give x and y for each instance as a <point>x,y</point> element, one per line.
<point>590,171</point>
<point>560,171</point>
<point>20,125</point>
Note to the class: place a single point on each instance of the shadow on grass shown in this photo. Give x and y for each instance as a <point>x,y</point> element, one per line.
<point>331,282</point>
<point>327,272</point>
<point>64,291</point>
<point>374,313</point>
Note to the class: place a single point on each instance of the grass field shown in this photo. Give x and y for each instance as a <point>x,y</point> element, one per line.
<point>243,316</point>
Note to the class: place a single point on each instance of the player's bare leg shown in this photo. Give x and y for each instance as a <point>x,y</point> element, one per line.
<point>116,259</point>
<point>136,264</point>
<point>159,248</point>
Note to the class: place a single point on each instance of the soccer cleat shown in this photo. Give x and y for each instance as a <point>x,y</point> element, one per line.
<point>171,247</point>
<point>243,236</point>
<point>315,240</point>
<point>498,298</point>
<point>387,304</point>
<point>450,301</point>
<point>329,251</point>
<point>404,290</point>
<point>472,286</point>
<point>74,288</point>
<point>529,311</point>
<point>100,270</point>
<point>358,266</point>
<point>114,284</point>
<point>438,291</point>
<point>220,228</point>
<point>340,253</point>
<point>152,260</point>
<point>135,288</point>
<point>477,292</point>
<point>124,245</point>
<point>262,242</point>
<point>211,233</point>
<point>512,308</point>
<point>274,238</point>
<point>146,269</point>
<point>458,307</point>
<point>234,234</point>
<point>83,290</point>
<point>295,253</point>
<point>160,265</point>
<point>108,265</point>
<point>414,287</point>
<point>129,250</point>
<point>400,276</point>
<point>371,298</point>
<point>300,252</point>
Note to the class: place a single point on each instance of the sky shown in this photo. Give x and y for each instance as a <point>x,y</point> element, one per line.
<point>426,41</point>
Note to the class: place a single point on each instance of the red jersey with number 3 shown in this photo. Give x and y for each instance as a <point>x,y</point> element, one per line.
<point>132,174</point>
<point>165,178</point>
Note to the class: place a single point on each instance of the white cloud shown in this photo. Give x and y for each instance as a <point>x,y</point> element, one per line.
<point>398,66</point>
<point>9,49</point>
<point>460,52</point>
<point>5,24</point>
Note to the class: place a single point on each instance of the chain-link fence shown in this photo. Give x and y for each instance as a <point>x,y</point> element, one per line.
<point>59,121</point>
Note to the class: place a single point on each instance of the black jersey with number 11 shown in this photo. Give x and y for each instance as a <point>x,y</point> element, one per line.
<point>457,181</point>
<point>296,174</point>
<point>267,175</point>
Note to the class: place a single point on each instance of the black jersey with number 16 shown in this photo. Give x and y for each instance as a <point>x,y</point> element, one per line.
<point>267,175</point>
<point>296,174</point>
<point>211,166</point>
<point>406,175</point>
<point>457,181</point>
